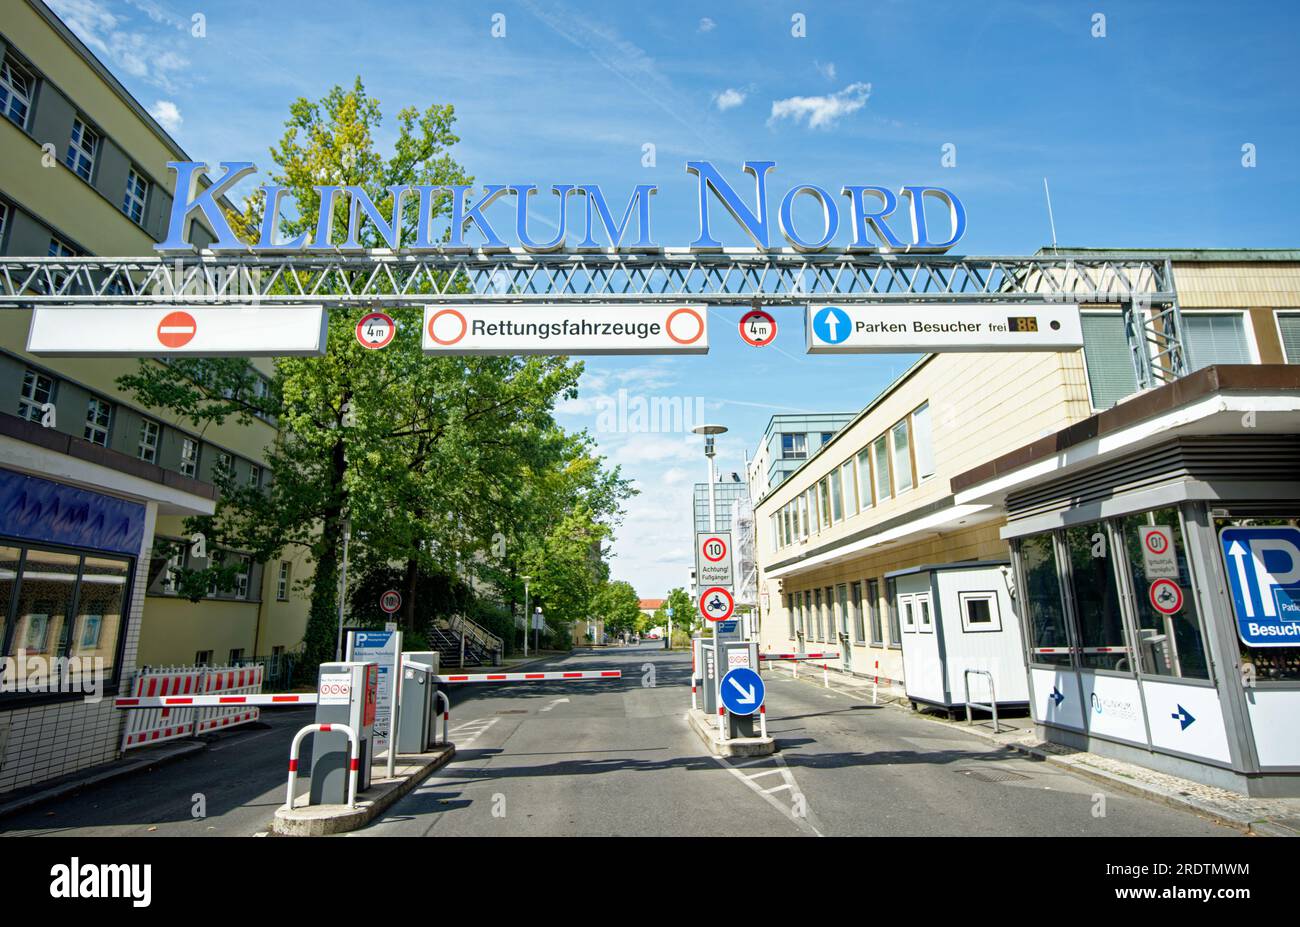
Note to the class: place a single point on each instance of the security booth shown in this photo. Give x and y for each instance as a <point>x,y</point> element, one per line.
<point>960,634</point>
<point>1157,555</point>
<point>347,694</point>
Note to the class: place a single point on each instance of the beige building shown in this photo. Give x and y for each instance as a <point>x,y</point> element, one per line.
<point>95,488</point>
<point>915,485</point>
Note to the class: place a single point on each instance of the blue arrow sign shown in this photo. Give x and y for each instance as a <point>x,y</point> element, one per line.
<point>1263,569</point>
<point>742,691</point>
<point>1183,717</point>
<point>1057,696</point>
<point>832,325</point>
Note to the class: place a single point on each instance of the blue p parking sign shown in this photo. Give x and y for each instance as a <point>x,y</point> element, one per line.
<point>1263,568</point>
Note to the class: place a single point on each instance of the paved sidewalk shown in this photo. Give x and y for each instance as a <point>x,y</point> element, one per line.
<point>1275,817</point>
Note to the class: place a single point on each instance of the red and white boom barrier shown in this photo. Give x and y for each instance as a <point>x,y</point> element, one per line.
<point>530,677</point>
<point>798,656</point>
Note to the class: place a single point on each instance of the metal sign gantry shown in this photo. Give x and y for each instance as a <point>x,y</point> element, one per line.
<point>1141,286</point>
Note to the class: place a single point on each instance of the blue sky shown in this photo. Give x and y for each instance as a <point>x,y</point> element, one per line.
<point>1139,132</point>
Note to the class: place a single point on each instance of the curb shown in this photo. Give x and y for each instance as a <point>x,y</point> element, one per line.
<point>736,746</point>
<point>117,770</point>
<point>323,820</point>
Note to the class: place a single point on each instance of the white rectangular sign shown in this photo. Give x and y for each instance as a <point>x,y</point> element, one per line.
<point>191,331</point>
<point>1158,557</point>
<point>335,689</point>
<point>378,647</point>
<point>670,328</point>
<point>912,328</point>
<point>713,560</point>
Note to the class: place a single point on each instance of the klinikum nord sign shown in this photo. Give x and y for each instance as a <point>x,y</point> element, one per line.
<point>872,216</point>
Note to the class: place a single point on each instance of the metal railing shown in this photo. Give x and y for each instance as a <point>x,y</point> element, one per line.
<point>991,707</point>
<point>472,630</point>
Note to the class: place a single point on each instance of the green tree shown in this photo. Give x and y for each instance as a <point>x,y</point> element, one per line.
<point>618,605</point>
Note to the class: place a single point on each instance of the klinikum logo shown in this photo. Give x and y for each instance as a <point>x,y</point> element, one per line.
<point>103,880</point>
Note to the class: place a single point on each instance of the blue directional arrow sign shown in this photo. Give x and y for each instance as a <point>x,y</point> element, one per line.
<point>832,324</point>
<point>1057,695</point>
<point>1263,569</point>
<point>1183,717</point>
<point>742,691</point>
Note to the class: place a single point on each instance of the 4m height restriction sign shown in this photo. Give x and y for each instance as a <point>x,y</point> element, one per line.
<point>713,559</point>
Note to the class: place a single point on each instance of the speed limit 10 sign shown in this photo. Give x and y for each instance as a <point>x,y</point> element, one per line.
<point>713,558</point>
<point>390,601</point>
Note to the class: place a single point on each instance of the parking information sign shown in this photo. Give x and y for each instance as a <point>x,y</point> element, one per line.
<point>597,329</point>
<point>379,647</point>
<point>914,328</point>
<point>713,562</point>
<point>1263,569</point>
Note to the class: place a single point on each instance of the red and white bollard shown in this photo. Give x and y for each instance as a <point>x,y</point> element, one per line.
<point>762,720</point>
<point>826,676</point>
<point>446,714</point>
<point>354,758</point>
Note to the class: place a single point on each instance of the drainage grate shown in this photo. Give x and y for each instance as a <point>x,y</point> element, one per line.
<point>993,775</point>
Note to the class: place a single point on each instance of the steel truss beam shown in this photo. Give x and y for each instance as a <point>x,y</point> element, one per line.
<point>381,278</point>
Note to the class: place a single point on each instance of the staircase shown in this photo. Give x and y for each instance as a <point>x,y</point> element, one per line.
<point>461,643</point>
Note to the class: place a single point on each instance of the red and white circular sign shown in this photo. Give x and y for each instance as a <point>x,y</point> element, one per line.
<point>1156,541</point>
<point>390,601</point>
<point>376,330</point>
<point>684,325</point>
<point>177,329</point>
<point>716,603</point>
<point>1166,596</point>
<point>714,549</point>
<point>447,326</point>
<point>758,328</point>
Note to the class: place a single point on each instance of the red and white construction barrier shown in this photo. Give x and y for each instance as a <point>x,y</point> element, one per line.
<point>213,701</point>
<point>354,759</point>
<point>160,723</point>
<point>242,680</point>
<point>529,677</point>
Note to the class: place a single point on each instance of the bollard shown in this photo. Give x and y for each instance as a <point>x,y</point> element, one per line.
<point>826,676</point>
<point>875,683</point>
<point>762,720</point>
<point>722,724</point>
<point>446,714</point>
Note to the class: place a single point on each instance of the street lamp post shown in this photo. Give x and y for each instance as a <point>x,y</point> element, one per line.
<point>526,614</point>
<point>343,589</point>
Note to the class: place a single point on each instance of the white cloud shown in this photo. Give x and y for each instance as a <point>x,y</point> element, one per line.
<point>824,111</point>
<point>826,70</point>
<point>136,54</point>
<point>707,25</point>
<point>168,115</point>
<point>728,99</point>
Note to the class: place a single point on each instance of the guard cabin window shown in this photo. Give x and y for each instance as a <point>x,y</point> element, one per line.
<point>892,603</point>
<point>1049,641</point>
<point>82,149</point>
<point>15,93</point>
<point>979,612</point>
<point>1096,598</point>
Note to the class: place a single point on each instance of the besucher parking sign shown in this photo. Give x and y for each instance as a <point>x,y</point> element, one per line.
<point>1262,565</point>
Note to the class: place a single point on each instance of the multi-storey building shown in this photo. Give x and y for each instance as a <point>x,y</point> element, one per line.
<point>1062,455</point>
<point>787,442</point>
<point>94,488</point>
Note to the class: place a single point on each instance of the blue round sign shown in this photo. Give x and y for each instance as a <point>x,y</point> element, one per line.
<point>742,691</point>
<point>832,325</point>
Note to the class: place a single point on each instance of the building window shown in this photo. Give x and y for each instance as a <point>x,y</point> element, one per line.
<point>82,148</point>
<point>1049,642</point>
<point>4,222</point>
<point>804,516</point>
<point>203,657</point>
<point>1288,327</point>
<point>864,478</point>
<point>880,457</point>
<point>38,389</point>
<point>1215,338</point>
<point>1096,598</point>
<point>225,465</point>
<point>15,93</point>
<point>979,611</point>
<point>189,457</point>
<point>837,497</point>
<point>923,442</point>
<point>891,602</point>
<point>99,416</point>
<point>850,488</point>
<point>147,450</point>
<point>873,612</point>
<point>241,578</point>
<point>842,609</point>
<point>255,476</point>
<point>902,456</point>
<point>826,436</point>
<point>789,612</point>
<point>859,623</point>
<point>794,446</point>
<point>137,194</point>
<point>824,503</point>
<point>236,656</point>
<point>817,614</point>
<point>1108,359</point>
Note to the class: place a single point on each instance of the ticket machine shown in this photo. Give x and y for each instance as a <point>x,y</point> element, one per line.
<point>347,693</point>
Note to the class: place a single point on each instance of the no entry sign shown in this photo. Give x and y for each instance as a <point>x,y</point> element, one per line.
<point>193,331</point>
<point>390,601</point>
<point>758,328</point>
<point>597,329</point>
<point>375,330</point>
<point>716,603</point>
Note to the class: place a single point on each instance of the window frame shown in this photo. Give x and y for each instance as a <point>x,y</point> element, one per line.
<point>886,491</point>
<point>77,150</point>
<point>152,447</point>
<point>24,400</point>
<point>92,425</point>
<point>979,595</point>
<point>1278,315</point>
<point>906,425</point>
<point>130,199</point>
<point>8,68</point>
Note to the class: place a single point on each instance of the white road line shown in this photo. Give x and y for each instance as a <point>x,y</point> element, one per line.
<point>558,701</point>
<point>482,724</point>
<point>766,772</point>
<point>800,821</point>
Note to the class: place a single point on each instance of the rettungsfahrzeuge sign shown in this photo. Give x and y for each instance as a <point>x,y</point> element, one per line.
<point>916,328</point>
<point>193,331</point>
<point>595,329</point>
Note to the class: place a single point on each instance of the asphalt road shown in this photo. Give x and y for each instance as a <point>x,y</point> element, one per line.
<point>616,757</point>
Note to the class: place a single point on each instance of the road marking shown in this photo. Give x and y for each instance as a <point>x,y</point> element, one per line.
<point>803,823</point>
<point>558,701</point>
<point>479,728</point>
